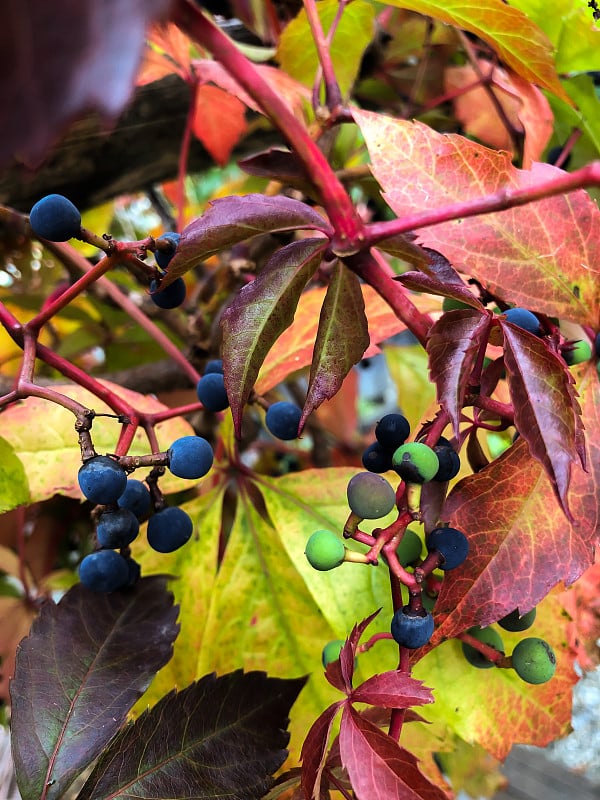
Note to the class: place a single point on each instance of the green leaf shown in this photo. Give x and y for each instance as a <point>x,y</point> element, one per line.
<point>84,664</point>
<point>260,313</point>
<point>517,40</point>
<point>14,486</point>
<point>220,737</point>
<point>342,338</point>
<point>297,54</point>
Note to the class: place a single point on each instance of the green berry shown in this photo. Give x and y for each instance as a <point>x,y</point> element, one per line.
<point>370,496</point>
<point>515,622</point>
<point>488,636</point>
<point>331,651</point>
<point>533,660</point>
<point>578,352</point>
<point>324,550</point>
<point>409,549</point>
<point>415,462</point>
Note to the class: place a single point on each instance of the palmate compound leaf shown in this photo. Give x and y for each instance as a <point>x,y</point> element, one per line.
<point>547,413</point>
<point>261,311</point>
<point>453,344</point>
<point>543,256</point>
<point>220,737</point>
<point>229,220</point>
<point>342,338</point>
<point>78,673</point>
<point>378,766</point>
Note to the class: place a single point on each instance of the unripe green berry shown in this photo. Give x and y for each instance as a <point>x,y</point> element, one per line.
<point>415,462</point>
<point>579,352</point>
<point>324,550</point>
<point>370,496</point>
<point>409,549</point>
<point>533,660</point>
<point>331,651</point>
<point>488,636</point>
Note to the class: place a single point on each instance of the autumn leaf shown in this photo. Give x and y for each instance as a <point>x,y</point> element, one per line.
<point>213,105</point>
<point>544,256</point>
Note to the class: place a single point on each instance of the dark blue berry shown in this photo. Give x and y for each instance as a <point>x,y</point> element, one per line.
<point>136,498</point>
<point>190,457</point>
<point>282,420</point>
<point>170,297</point>
<point>451,543</point>
<point>169,529</point>
<point>214,365</point>
<point>211,392</point>
<point>104,571</point>
<point>117,528</point>
<point>412,629</point>
<point>597,345</point>
<point>392,430</point>
<point>449,462</point>
<point>523,319</point>
<point>102,480</point>
<point>163,257</point>
<point>55,218</point>
<point>377,458</point>
<point>134,572</point>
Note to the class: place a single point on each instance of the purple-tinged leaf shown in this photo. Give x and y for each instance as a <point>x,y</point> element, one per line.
<point>378,766</point>
<point>438,276</point>
<point>277,164</point>
<point>260,313</point>
<point>314,751</point>
<point>62,66</point>
<point>453,344</point>
<point>220,737</point>
<point>342,338</point>
<point>349,650</point>
<point>229,220</point>
<point>392,689</point>
<point>402,247</point>
<point>547,413</point>
<point>83,666</point>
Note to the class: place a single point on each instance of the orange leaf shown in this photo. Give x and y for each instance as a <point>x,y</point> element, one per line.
<point>219,121</point>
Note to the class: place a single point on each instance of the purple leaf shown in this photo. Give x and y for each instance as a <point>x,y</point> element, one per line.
<point>314,751</point>
<point>392,690</point>
<point>83,666</point>
<point>260,313</point>
<point>342,338</point>
<point>66,58</point>
<point>220,737</point>
<point>229,220</point>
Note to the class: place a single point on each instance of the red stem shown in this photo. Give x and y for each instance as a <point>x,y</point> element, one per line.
<point>499,201</point>
<point>333,96</point>
<point>337,203</point>
<point>184,153</point>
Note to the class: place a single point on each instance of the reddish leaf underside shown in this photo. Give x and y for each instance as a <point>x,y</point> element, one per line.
<point>342,339</point>
<point>520,544</point>
<point>83,666</point>
<point>393,689</point>
<point>314,751</point>
<point>544,256</point>
<point>453,344</point>
<point>547,413</point>
<point>229,220</point>
<point>378,766</point>
<point>58,69</point>
<point>262,310</point>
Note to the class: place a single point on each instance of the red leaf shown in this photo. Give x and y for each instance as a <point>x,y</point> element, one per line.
<point>547,413</point>
<point>229,220</point>
<point>314,751</point>
<point>543,256</point>
<point>61,67</point>
<point>392,689</point>
<point>378,766</point>
<point>213,106</point>
<point>453,343</point>
<point>520,544</point>
<point>261,311</point>
<point>342,338</point>
<point>438,276</point>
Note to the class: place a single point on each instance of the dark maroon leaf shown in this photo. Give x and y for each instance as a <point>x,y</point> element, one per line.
<point>220,737</point>
<point>453,344</point>
<point>402,247</point>
<point>393,689</point>
<point>83,666</point>
<point>314,751</point>
<point>348,652</point>
<point>260,313</point>
<point>547,413</point>
<point>342,338</point>
<point>276,164</point>
<point>65,59</point>
<point>229,220</point>
<point>378,766</point>
<point>438,276</point>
